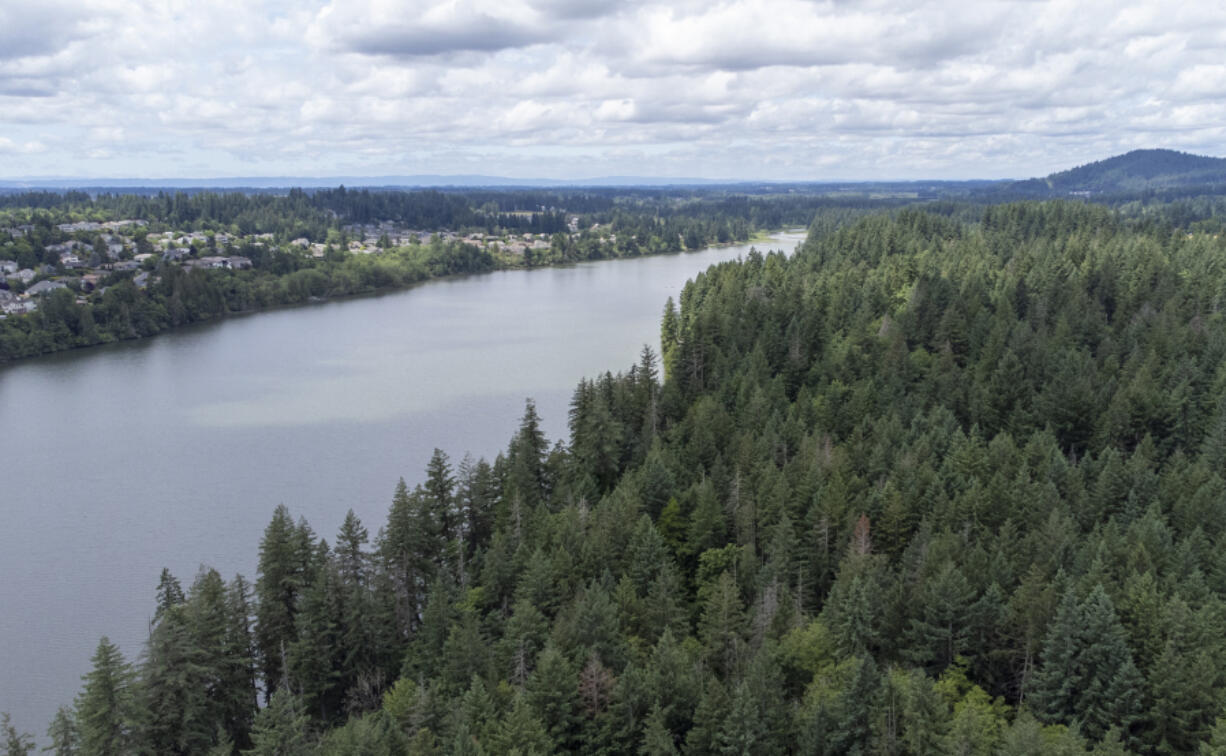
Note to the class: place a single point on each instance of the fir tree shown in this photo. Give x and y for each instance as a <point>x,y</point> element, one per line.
<point>15,743</point>
<point>280,728</point>
<point>63,734</point>
<point>106,709</point>
<point>1088,675</point>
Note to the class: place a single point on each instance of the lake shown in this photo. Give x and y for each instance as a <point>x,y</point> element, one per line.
<point>174,451</point>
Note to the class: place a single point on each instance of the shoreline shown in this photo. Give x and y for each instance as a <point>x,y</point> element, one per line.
<point>756,238</point>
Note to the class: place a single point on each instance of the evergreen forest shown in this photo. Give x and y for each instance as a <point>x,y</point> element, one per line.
<point>948,480</point>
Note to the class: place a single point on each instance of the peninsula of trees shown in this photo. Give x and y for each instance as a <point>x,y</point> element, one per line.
<point>942,482</point>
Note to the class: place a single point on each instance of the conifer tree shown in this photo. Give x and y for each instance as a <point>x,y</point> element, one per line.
<point>1216,745</point>
<point>520,731</point>
<point>552,690</point>
<point>526,475</point>
<point>15,743</point>
<point>440,486</point>
<point>722,627</point>
<point>282,578</point>
<point>657,739</point>
<point>281,728</point>
<point>176,688</point>
<point>315,658</point>
<point>169,594</point>
<point>63,734</point>
<point>1088,675</point>
<point>940,632</point>
<point>107,715</point>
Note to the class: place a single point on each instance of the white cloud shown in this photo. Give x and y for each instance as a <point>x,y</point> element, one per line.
<point>738,88</point>
<point>417,29</point>
<point>9,147</point>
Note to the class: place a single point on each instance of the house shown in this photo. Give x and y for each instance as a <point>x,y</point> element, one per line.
<point>70,260</point>
<point>89,281</point>
<point>121,223</point>
<point>238,262</point>
<point>70,228</point>
<point>65,247</point>
<point>125,265</point>
<point>43,287</point>
<point>7,266</point>
<point>212,261</point>
<point>25,275</point>
<point>141,280</point>
<point>18,306</point>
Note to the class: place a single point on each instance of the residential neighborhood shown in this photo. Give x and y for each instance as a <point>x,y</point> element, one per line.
<point>87,257</point>
<point>92,255</point>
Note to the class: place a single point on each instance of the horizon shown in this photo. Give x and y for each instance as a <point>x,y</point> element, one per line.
<point>483,181</point>
<point>462,181</point>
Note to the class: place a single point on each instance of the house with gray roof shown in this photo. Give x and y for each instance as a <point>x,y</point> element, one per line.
<point>43,287</point>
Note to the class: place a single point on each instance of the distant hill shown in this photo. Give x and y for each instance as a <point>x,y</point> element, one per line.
<point>1136,171</point>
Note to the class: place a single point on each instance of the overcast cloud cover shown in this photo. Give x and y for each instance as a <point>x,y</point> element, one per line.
<point>774,89</point>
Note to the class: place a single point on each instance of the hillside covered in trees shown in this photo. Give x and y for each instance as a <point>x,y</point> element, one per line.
<point>1133,172</point>
<point>932,485</point>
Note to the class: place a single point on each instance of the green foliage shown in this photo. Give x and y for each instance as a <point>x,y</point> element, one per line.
<point>281,728</point>
<point>15,743</point>
<point>63,734</point>
<point>107,710</point>
<point>1088,675</point>
<point>942,482</point>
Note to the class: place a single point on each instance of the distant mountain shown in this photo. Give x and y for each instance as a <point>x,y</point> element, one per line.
<point>1136,171</point>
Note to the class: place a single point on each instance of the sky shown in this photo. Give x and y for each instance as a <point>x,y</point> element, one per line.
<point>570,89</point>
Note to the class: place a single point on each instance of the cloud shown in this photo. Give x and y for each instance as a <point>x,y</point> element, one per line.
<point>30,29</point>
<point>741,88</point>
<point>580,9</point>
<point>25,87</point>
<point>411,30</point>
<point>9,147</point>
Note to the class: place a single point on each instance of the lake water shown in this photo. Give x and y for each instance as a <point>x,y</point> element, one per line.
<point>174,451</point>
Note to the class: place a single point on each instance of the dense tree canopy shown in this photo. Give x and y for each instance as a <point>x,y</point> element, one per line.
<point>929,486</point>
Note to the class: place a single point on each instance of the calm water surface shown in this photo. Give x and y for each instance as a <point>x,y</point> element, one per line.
<point>173,452</point>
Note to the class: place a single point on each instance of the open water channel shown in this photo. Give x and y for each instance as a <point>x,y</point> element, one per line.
<point>174,451</point>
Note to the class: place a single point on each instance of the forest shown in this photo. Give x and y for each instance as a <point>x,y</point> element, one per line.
<point>933,484</point>
<point>311,213</point>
